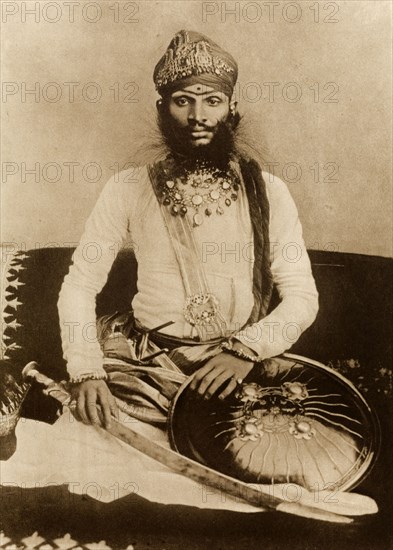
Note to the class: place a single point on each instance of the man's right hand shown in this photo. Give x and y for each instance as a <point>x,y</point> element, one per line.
<point>90,394</point>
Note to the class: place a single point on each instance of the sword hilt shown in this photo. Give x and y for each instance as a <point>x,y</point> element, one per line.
<point>52,388</point>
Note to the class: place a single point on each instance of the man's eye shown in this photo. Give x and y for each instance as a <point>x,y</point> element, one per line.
<point>213,100</point>
<point>181,101</point>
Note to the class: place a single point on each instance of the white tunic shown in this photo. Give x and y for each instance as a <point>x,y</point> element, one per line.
<point>127,213</point>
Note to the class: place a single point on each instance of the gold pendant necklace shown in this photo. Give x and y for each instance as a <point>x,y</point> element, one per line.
<point>203,190</point>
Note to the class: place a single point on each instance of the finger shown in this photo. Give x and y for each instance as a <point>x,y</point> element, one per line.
<point>217,382</point>
<point>91,407</point>
<point>80,408</point>
<point>106,411</point>
<point>200,374</point>
<point>208,379</point>
<point>114,407</point>
<point>229,389</point>
<point>213,363</point>
<point>105,407</point>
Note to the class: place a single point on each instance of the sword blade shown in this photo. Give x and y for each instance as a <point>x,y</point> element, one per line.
<point>207,476</point>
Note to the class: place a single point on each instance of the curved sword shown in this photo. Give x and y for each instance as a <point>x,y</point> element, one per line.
<point>305,507</point>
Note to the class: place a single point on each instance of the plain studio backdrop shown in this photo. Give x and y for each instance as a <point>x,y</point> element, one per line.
<point>78,105</point>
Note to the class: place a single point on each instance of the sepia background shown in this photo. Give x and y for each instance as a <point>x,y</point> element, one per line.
<point>314,86</point>
<point>78,105</point>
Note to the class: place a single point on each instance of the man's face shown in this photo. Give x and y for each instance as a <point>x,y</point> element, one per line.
<point>197,110</point>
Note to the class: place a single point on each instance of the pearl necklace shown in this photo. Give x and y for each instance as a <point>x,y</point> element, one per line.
<point>203,190</point>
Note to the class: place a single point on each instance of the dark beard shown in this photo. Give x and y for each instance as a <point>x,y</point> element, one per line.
<point>218,152</point>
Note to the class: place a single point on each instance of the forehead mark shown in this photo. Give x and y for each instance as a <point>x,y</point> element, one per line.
<point>198,89</point>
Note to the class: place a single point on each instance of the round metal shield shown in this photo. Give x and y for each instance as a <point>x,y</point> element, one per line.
<point>293,420</point>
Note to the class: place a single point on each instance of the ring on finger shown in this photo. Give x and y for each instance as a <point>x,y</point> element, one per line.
<point>237,380</point>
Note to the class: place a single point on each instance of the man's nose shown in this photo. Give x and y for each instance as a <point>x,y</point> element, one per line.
<point>196,113</point>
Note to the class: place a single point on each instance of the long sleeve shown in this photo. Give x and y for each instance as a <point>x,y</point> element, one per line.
<point>105,232</point>
<point>291,270</point>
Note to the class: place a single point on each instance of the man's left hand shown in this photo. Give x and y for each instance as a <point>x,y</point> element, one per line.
<point>221,369</point>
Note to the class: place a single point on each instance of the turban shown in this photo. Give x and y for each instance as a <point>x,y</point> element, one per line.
<point>193,58</point>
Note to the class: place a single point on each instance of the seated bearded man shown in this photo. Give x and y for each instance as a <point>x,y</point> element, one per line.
<point>209,231</point>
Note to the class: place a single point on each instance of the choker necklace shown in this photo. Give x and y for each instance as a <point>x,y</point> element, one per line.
<point>204,190</point>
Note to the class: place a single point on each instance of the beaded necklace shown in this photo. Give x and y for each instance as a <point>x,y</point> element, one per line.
<point>202,190</point>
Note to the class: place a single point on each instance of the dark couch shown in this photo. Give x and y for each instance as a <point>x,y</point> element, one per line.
<point>352,323</point>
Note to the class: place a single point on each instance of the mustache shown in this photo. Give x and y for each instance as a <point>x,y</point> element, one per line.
<point>208,127</point>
